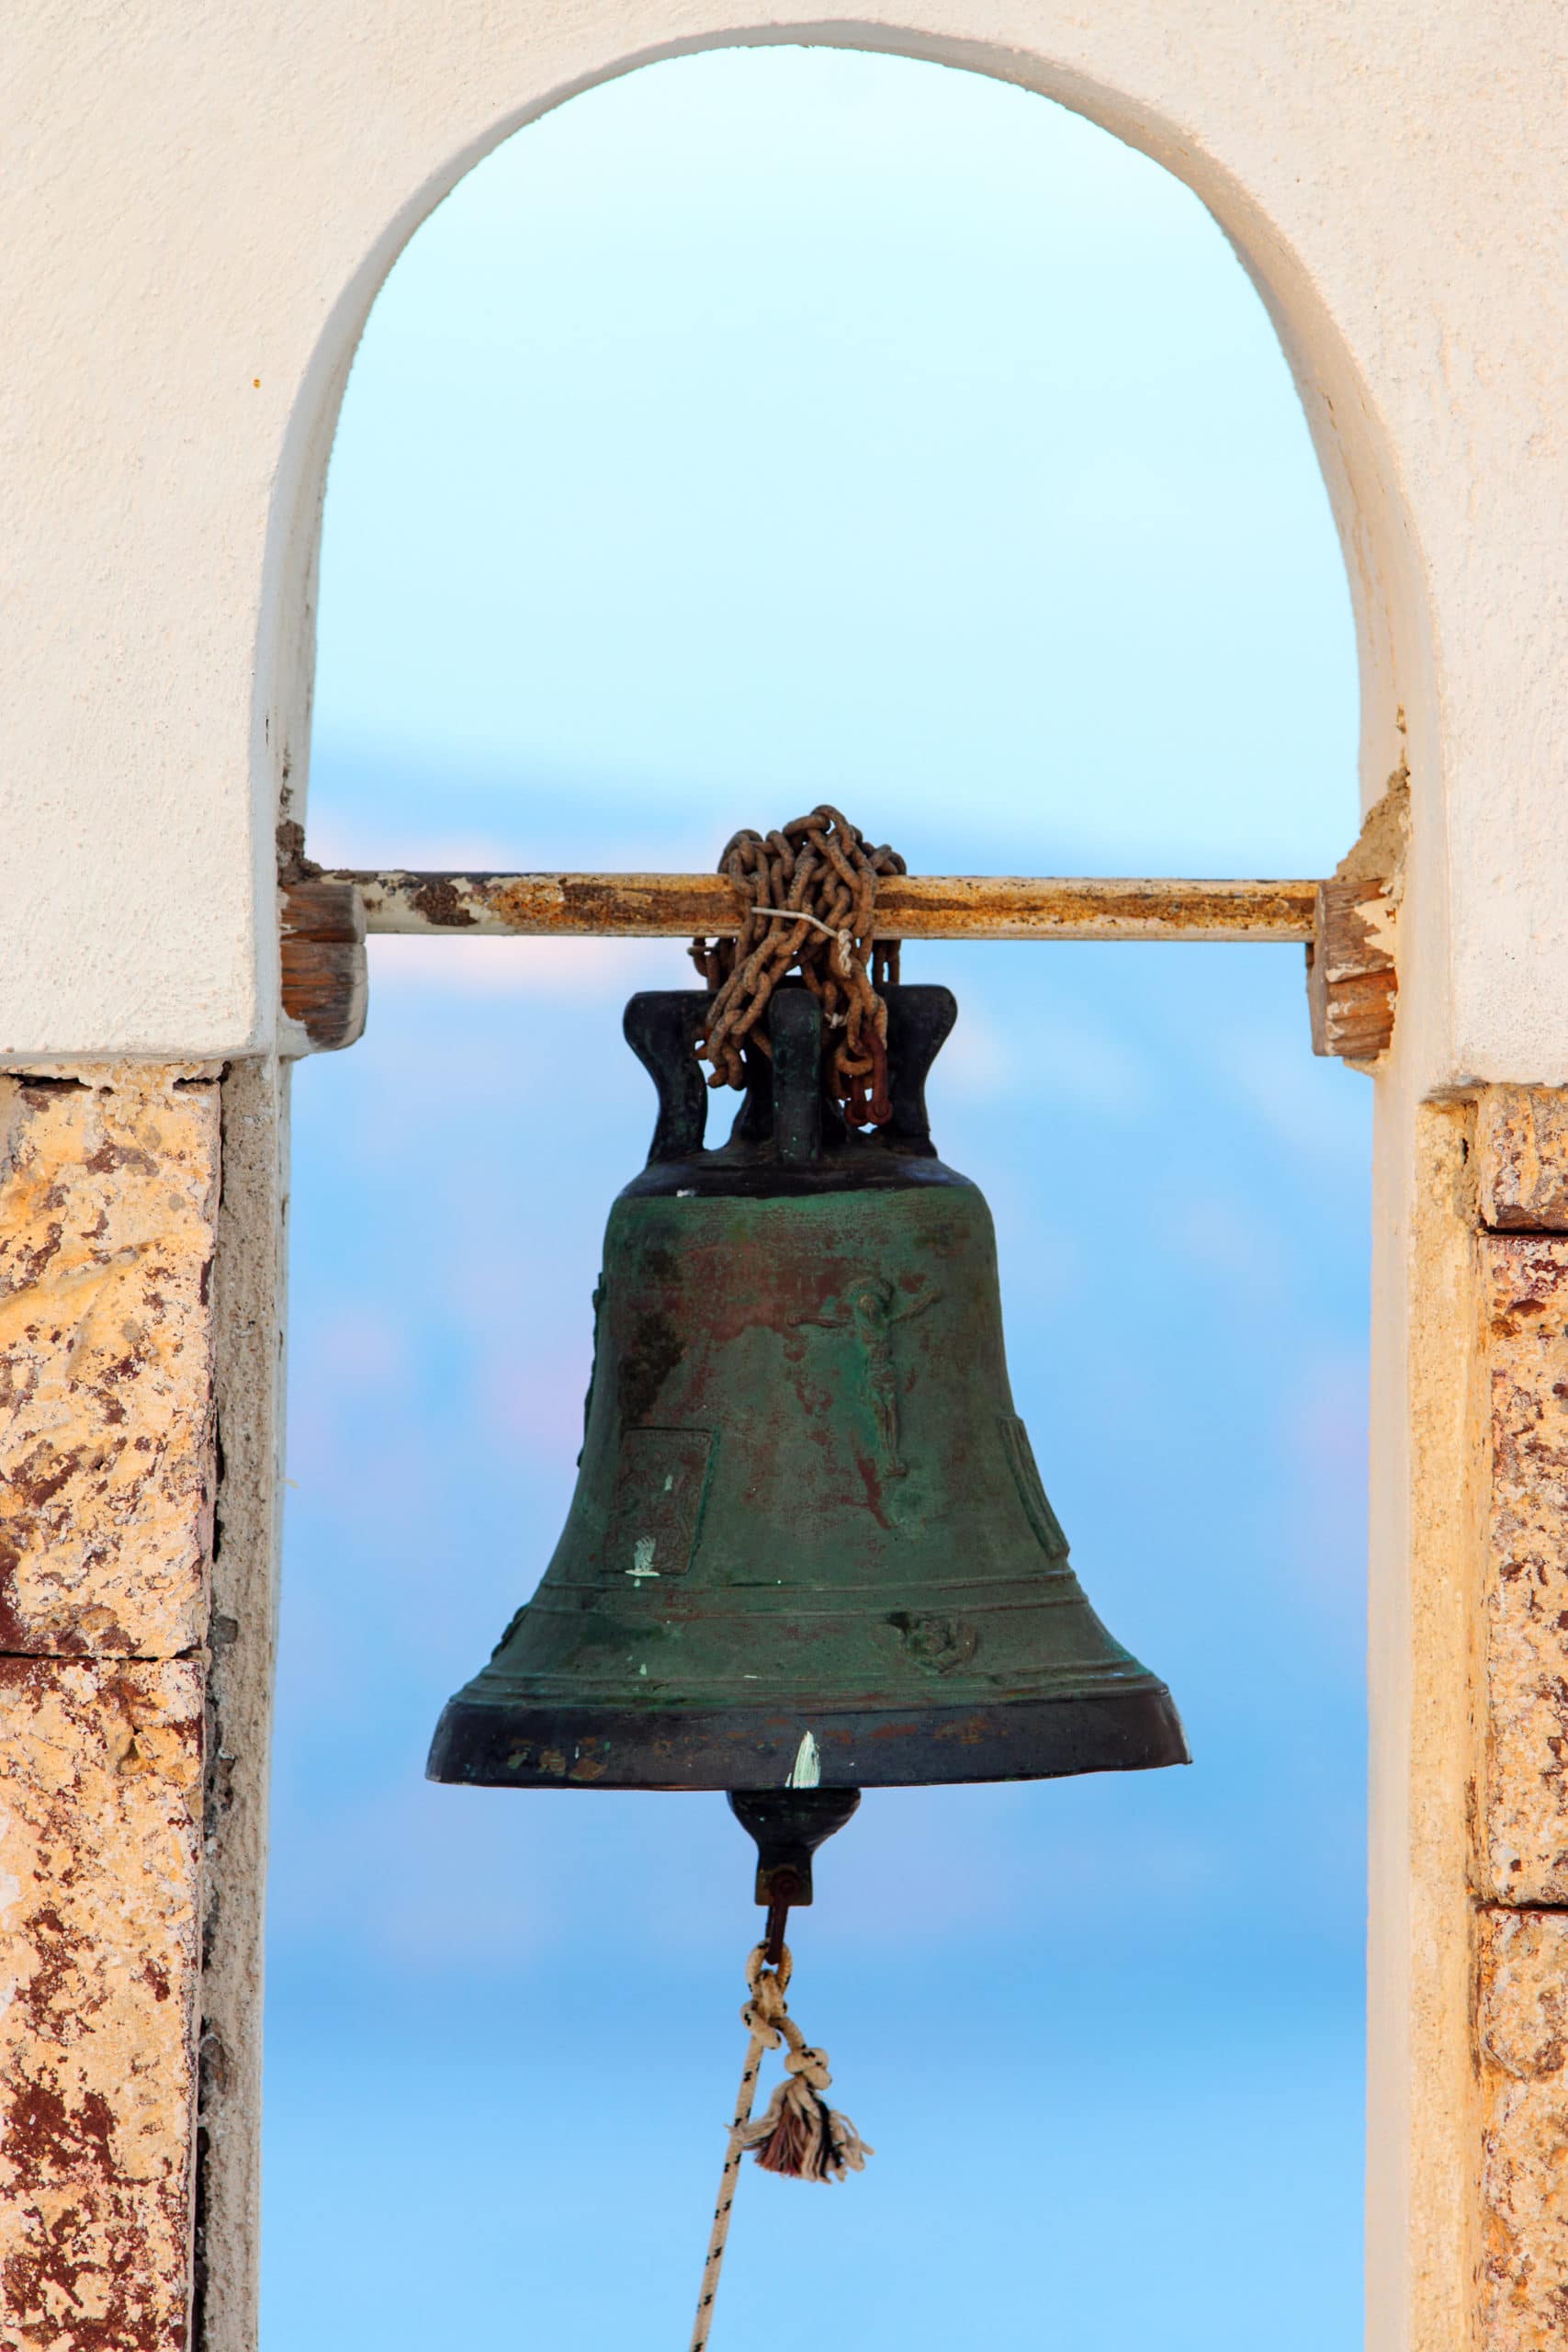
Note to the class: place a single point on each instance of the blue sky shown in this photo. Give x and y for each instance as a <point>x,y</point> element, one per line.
<point>769,425</point>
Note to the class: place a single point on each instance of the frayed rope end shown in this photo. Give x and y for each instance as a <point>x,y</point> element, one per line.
<point>798,2135</point>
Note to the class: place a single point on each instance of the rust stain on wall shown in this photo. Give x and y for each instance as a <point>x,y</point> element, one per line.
<point>100,1798</point>
<point>107,1203</point>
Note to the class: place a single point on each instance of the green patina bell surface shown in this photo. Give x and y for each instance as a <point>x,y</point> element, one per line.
<point>809,1546</point>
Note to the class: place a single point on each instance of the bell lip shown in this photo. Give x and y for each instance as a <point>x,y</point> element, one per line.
<point>509,1746</point>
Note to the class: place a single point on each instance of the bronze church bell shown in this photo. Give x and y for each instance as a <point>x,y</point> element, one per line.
<point>809,1547</point>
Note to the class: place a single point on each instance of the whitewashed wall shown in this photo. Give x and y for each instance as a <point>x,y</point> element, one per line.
<point>205,200</point>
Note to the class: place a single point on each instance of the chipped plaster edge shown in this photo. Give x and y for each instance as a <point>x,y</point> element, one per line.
<point>250,1299</point>
<point>1428,1494</point>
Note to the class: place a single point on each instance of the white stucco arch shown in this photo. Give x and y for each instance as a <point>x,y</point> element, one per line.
<point>1394,618</point>
<point>187,416</point>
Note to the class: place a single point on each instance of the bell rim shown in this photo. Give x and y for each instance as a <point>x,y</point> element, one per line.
<point>482,1745</point>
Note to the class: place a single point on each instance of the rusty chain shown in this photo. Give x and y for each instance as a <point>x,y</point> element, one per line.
<point>809,895</point>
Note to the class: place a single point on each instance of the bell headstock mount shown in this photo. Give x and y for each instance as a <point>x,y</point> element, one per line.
<point>786,1107</point>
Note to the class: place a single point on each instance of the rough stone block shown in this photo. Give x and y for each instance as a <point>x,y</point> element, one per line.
<point>1523,2039</point>
<point>100,1796</point>
<point>1524,1827</point>
<point>108,1197</point>
<point>1521,1149</point>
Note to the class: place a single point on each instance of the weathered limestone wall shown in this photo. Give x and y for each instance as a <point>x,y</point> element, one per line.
<point>1523,2033</point>
<point>100,1850</point>
<point>1520,1595</point>
<point>107,1243</point>
<point>108,1218</point>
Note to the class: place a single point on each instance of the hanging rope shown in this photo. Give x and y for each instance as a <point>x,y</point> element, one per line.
<point>797,2134</point>
<point>809,892</point>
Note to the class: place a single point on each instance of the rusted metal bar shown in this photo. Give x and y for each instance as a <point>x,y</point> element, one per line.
<point>925,906</point>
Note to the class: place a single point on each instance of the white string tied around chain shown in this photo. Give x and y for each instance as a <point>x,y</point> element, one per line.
<point>797,2134</point>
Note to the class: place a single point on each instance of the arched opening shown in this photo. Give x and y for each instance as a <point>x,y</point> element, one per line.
<point>987,637</point>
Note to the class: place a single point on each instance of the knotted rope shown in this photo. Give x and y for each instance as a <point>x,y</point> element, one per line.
<point>797,2133</point>
<point>809,892</point>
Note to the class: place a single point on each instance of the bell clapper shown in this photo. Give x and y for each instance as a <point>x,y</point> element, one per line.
<point>797,2133</point>
<point>788,1825</point>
